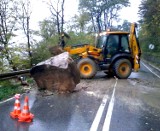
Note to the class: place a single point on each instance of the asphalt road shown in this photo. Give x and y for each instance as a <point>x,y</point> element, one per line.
<point>104,104</point>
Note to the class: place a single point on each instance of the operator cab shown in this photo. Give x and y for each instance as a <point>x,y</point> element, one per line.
<point>113,43</point>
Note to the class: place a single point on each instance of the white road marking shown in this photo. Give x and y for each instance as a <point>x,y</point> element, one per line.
<point>154,67</point>
<point>107,121</point>
<point>7,100</point>
<point>151,70</point>
<point>98,116</point>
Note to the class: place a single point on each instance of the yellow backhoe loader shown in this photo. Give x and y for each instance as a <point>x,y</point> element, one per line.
<point>117,53</point>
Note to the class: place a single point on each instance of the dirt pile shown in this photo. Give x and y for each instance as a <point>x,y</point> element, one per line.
<point>59,73</point>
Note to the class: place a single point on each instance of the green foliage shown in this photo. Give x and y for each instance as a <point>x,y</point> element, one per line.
<point>125,26</point>
<point>50,37</point>
<point>41,50</point>
<point>20,57</point>
<point>150,12</point>
<point>102,13</point>
<point>47,29</point>
<point>80,38</point>
<point>8,22</point>
<point>150,28</point>
<point>40,53</point>
<point>30,80</point>
<point>8,89</point>
<point>81,21</point>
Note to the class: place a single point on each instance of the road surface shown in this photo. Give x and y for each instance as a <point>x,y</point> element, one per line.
<point>104,104</point>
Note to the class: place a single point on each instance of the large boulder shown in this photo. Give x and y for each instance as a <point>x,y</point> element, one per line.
<point>59,73</point>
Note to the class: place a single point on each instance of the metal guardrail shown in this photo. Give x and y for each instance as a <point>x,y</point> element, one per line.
<point>13,74</point>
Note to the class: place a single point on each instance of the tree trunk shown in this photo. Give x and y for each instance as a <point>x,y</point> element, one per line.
<point>94,27</point>
<point>98,23</point>
<point>28,42</point>
<point>105,20</point>
<point>7,55</point>
<point>62,15</point>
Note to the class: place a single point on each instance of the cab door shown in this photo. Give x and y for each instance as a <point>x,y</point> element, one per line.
<point>112,45</point>
<point>116,44</point>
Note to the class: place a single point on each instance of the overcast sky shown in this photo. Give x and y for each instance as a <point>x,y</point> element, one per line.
<point>130,13</point>
<point>40,11</point>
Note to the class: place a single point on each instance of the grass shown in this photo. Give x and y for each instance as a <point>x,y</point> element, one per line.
<point>30,80</point>
<point>9,88</point>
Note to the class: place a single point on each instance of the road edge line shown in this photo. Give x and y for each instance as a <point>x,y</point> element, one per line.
<point>98,116</point>
<point>154,67</point>
<point>10,99</point>
<point>7,100</point>
<point>150,70</point>
<point>107,121</point>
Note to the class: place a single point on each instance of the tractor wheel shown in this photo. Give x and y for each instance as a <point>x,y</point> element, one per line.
<point>87,68</point>
<point>122,68</point>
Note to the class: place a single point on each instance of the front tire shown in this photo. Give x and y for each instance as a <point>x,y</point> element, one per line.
<point>87,68</point>
<point>122,68</point>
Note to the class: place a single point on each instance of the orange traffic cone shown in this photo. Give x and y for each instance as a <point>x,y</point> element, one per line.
<point>17,109</point>
<point>25,115</point>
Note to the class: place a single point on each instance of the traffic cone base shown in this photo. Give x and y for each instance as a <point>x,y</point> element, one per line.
<point>13,115</point>
<point>25,118</point>
<point>25,115</point>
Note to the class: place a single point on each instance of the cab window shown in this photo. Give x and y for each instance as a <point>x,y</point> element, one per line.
<point>124,43</point>
<point>101,41</point>
<point>112,44</point>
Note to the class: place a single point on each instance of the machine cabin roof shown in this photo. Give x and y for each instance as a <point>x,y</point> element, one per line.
<point>114,32</point>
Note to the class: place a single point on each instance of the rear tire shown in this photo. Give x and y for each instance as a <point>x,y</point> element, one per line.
<point>87,68</point>
<point>122,68</point>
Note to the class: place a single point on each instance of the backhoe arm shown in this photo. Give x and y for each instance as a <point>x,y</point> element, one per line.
<point>135,48</point>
